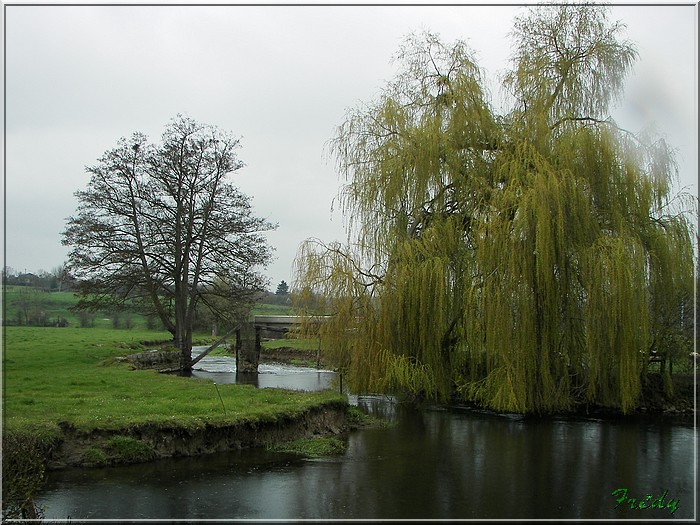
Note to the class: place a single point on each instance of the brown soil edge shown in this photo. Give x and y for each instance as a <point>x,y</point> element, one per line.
<point>323,420</point>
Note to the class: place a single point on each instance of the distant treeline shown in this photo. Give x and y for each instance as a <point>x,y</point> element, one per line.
<point>57,280</point>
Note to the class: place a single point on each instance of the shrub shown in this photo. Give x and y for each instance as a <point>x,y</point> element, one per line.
<point>24,455</point>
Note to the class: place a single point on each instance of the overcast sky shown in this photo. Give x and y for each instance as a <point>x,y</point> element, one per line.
<point>78,78</point>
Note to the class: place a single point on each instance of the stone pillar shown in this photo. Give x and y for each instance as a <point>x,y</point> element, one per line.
<point>247,349</point>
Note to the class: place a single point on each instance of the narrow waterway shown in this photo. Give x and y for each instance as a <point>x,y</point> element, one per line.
<point>433,463</point>
<point>222,370</point>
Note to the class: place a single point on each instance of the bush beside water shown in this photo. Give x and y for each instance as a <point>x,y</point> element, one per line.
<point>23,464</point>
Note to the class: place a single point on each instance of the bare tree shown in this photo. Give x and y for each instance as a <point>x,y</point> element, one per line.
<point>161,226</point>
<point>59,274</point>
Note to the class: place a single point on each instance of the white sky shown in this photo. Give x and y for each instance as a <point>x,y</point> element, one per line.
<point>282,77</point>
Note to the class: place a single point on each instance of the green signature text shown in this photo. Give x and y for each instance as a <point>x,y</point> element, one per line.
<point>646,502</point>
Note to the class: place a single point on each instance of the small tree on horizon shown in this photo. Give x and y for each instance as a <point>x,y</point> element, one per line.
<point>282,288</point>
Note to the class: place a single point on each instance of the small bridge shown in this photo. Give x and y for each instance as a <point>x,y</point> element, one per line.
<point>248,337</point>
<point>283,323</point>
<point>278,323</point>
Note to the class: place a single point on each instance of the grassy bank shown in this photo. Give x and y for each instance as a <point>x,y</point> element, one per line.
<point>59,378</point>
<point>301,352</point>
<point>68,375</point>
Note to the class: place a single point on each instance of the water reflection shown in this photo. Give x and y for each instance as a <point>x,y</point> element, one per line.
<point>432,464</point>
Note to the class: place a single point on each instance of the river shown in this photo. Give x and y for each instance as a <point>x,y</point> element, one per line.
<point>433,463</point>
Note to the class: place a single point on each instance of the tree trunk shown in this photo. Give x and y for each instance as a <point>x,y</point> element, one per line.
<point>183,341</point>
<point>183,328</point>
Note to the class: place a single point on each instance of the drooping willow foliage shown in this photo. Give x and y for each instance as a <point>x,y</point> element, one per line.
<point>528,261</point>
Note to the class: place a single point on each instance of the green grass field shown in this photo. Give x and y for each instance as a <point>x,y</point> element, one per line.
<point>54,375</point>
<point>31,306</point>
<point>272,309</point>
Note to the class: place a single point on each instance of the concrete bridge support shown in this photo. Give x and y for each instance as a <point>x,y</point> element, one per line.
<point>247,348</point>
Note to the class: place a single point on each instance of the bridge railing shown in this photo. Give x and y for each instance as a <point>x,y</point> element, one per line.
<point>285,323</point>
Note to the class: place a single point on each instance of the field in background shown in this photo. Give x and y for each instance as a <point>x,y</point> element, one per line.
<point>29,306</point>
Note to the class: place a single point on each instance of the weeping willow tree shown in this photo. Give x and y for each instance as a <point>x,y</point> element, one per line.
<point>529,261</point>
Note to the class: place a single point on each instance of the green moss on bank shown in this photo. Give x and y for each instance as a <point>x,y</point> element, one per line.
<point>118,450</point>
<point>311,447</point>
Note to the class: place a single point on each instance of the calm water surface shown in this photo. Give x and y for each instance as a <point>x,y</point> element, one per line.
<point>454,463</point>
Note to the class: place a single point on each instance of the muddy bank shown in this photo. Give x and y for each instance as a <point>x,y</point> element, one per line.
<point>147,442</point>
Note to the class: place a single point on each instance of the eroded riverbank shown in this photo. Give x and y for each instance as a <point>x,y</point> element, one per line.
<point>146,442</point>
